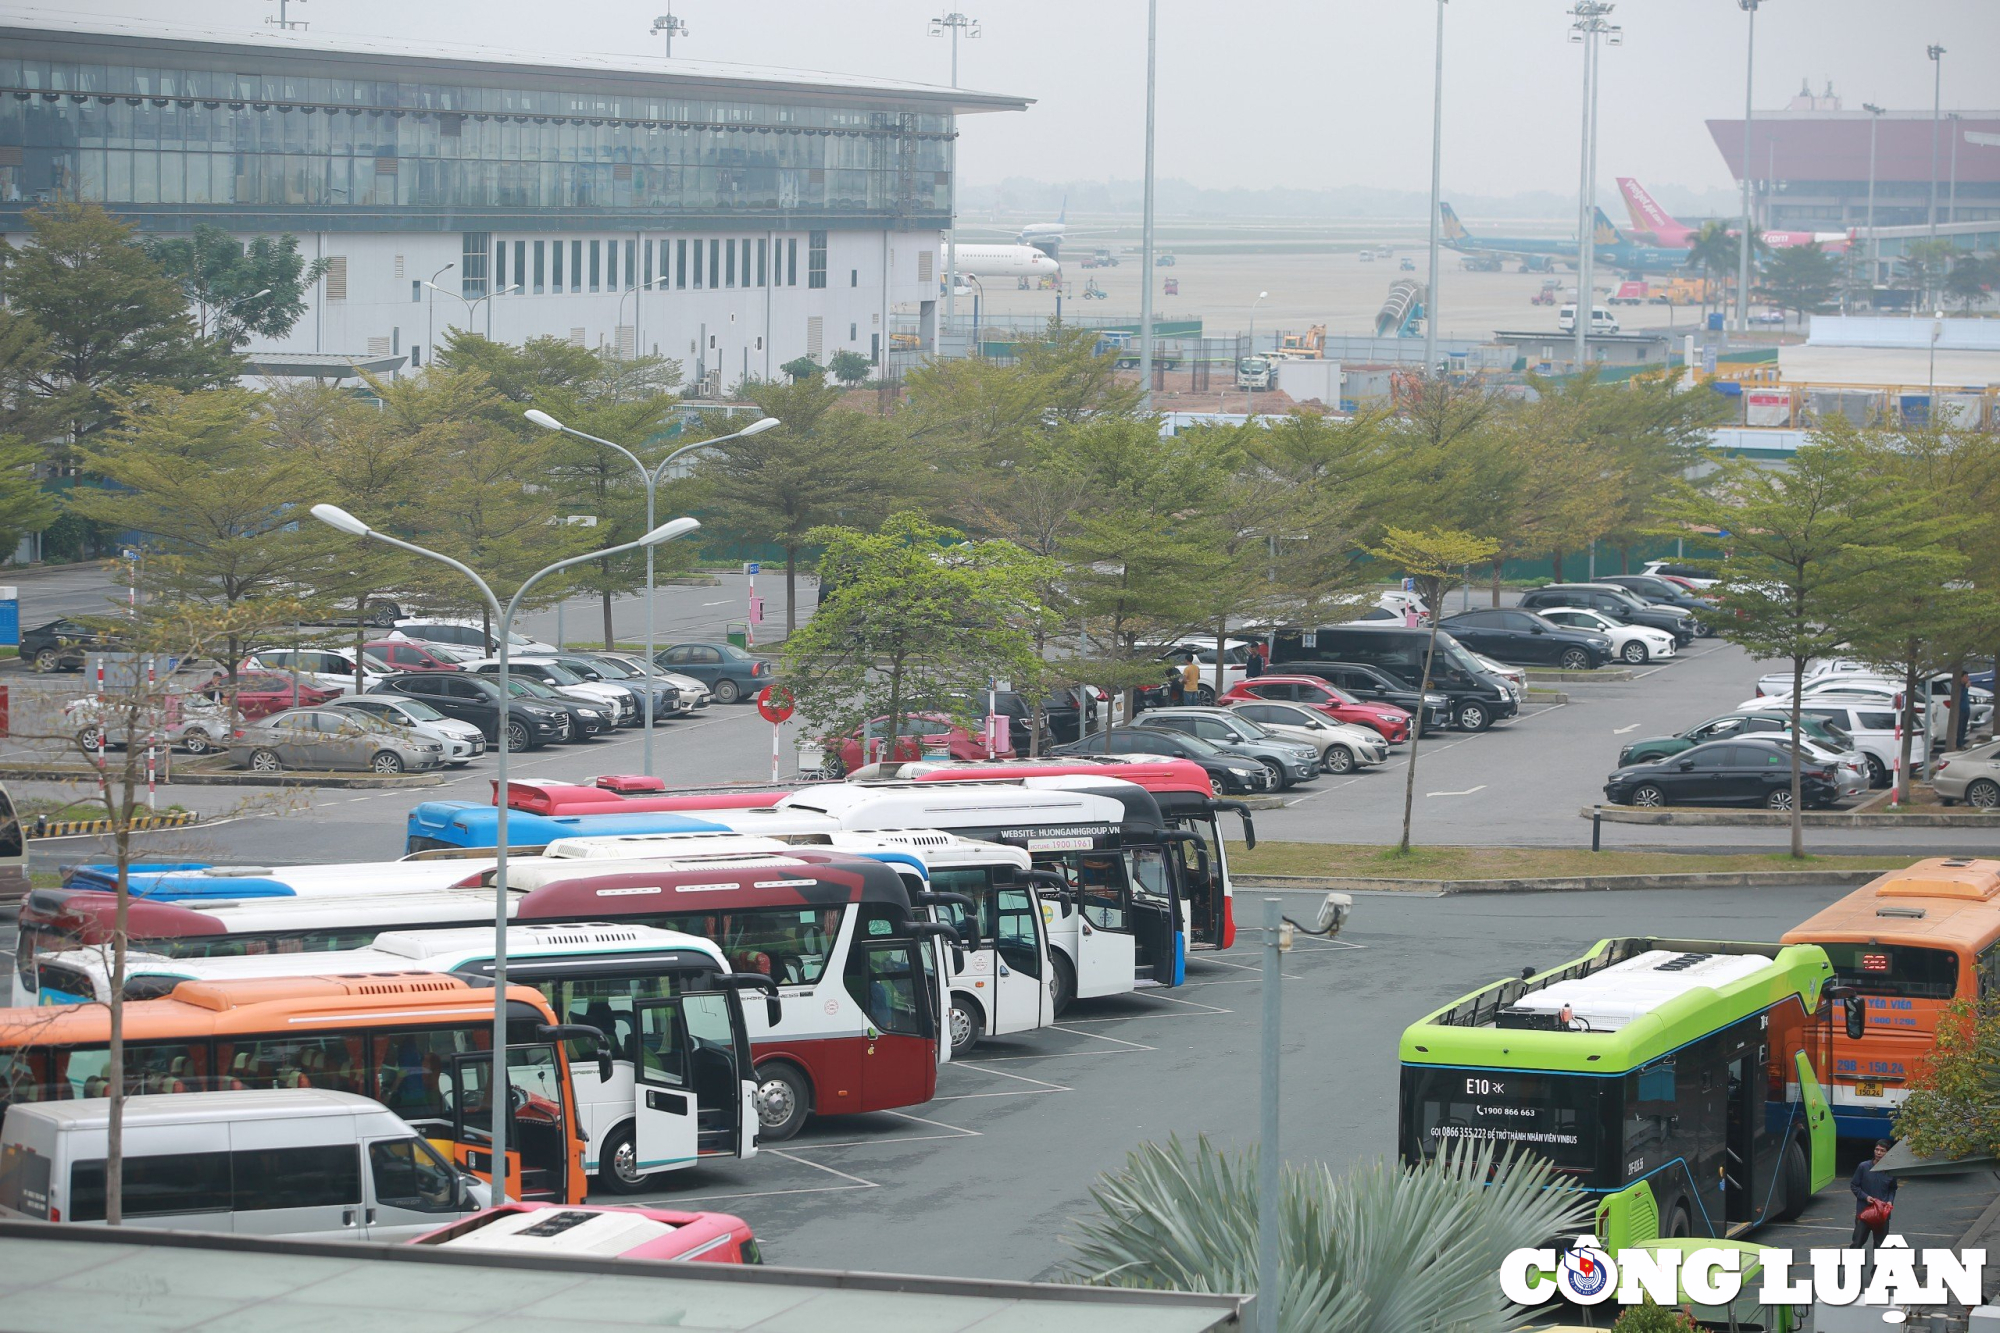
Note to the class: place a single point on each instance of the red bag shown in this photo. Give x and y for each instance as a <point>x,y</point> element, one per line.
<point>1876,1215</point>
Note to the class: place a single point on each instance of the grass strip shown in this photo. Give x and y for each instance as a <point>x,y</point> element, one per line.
<point>1373,862</point>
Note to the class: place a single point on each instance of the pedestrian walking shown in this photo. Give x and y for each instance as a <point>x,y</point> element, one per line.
<point>1874,1197</point>
<point>1961,707</point>
<point>1176,689</point>
<point>1191,680</point>
<point>1253,663</point>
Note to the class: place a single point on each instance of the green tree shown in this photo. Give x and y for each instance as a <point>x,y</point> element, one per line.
<point>824,465</point>
<point>1651,1318</point>
<point>849,367</point>
<point>1927,262</point>
<point>1802,278</point>
<point>1807,545</point>
<point>803,369</point>
<point>1953,1108</point>
<point>1971,280</point>
<point>1384,1249</point>
<point>238,289</point>
<point>1714,252</point>
<point>917,620</point>
<point>109,320</point>
<point>1430,559</point>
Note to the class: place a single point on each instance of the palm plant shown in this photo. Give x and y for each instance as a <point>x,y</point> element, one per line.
<point>1385,1249</point>
<point>1713,251</point>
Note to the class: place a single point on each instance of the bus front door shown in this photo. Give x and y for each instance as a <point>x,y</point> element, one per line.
<point>900,1057</point>
<point>539,1104</point>
<point>1021,999</point>
<point>667,1123</point>
<point>1155,917</point>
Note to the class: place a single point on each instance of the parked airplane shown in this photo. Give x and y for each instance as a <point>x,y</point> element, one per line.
<point>1619,251</point>
<point>1046,236</point>
<point>1610,248</point>
<point>1455,235</point>
<point>1654,222</point>
<point>1001,261</point>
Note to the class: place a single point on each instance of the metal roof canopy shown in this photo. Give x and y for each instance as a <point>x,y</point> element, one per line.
<point>319,365</point>
<point>322,54</point>
<point>61,1278</point>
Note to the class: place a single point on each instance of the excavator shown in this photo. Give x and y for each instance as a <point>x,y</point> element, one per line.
<point>1307,346</point>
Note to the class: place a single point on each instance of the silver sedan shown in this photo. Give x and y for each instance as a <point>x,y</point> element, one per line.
<point>321,739</point>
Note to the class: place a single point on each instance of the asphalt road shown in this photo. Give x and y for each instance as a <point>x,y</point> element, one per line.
<point>986,1179</point>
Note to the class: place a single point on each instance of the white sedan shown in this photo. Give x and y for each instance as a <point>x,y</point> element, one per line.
<point>1632,643</point>
<point>1343,747</point>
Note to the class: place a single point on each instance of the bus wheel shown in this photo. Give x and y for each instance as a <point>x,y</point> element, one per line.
<point>967,1026</point>
<point>1062,982</point>
<point>1678,1227</point>
<point>1798,1182</point>
<point>782,1102</point>
<point>619,1167</point>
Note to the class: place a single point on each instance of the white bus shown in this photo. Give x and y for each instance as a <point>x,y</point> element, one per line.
<point>666,1003</point>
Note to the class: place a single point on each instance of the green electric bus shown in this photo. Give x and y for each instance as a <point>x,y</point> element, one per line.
<point>1675,1079</point>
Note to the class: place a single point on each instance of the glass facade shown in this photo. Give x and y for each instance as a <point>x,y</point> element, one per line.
<point>337,152</point>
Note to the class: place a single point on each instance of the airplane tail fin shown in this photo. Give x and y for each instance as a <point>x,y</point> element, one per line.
<point>1603,232</point>
<point>1449,226</point>
<point>1648,216</point>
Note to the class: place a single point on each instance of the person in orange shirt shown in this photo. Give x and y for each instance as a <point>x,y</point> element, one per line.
<point>1191,679</point>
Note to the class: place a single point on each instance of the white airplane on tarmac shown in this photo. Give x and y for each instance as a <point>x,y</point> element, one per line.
<point>1001,261</point>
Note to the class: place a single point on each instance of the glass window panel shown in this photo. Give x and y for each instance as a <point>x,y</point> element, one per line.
<point>556,274</point>
<point>729,265</point>
<point>680,263</point>
<point>596,263</point>
<point>576,266</point>
<point>538,267</point>
<point>714,271</point>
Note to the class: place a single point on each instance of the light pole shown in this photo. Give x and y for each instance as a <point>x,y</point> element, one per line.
<point>472,306</point>
<point>430,317</point>
<point>1874,246</point>
<point>1951,196</point>
<point>1437,158</point>
<point>651,478</point>
<point>1745,240</point>
<point>1249,394</point>
<point>1587,28</point>
<point>978,299</point>
<point>335,517</point>
<point>1936,53</point>
<point>1146,225</point>
<point>953,23</point>
<point>668,24</point>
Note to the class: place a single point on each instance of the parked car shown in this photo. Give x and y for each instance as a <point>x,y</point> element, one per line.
<point>1614,602</point>
<point>1061,714</point>
<point>1232,776</point>
<point>62,645</point>
<point>260,694</point>
<point>1694,575</point>
<point>467,634</point>
<point>1478,698</point>
<point>320,739</point>
<point>587,719</point>
<point>693,694</point>
<point>1889,689</point>
<point>1666,592</point>
<point>1870,723</point>
<point>1522,636</point>
<point>1514,676</point>
<point>1779,683</point>
<point>1631,643</point>
<point>321,666</point>
<point>1402,605</point>
<point>1738,772</point>
<point>1343,747</point>
<point>193,722</point>
<point>1392,722</point>
<point>412,655</point>
<point>1730,725</point>
<point>613,701</point>
<point>463,742</point>
<point>730,673</point>
<point>1972,776</point>
<point>1372,684</point>
<point>911,732</point>
<point>648,692</point>
<point>1287,761</point>
<point>530,723</point>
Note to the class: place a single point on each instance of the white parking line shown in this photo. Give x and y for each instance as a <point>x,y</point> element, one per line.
<point>1469,791</point>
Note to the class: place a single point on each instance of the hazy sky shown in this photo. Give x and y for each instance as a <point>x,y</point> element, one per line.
<point>1308,93</point>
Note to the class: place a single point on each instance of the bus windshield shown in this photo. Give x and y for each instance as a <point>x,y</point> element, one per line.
<point>1901,970</point>
<point>1557,1116</point>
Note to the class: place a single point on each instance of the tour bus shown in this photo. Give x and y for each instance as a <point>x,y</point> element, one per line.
<point>1673,1079</point>
<point>1909,943</point>
<point>190,881</point>
<point>418,1042</point>
<point>665,1002</point>
<point>626,793</point>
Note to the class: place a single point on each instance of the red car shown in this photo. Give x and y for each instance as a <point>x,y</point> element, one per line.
<point>408,655</point>
<point>909,744</point>
<point>260,694</point>
<point>1391,721</point>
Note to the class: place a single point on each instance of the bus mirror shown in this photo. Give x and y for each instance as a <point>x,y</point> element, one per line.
<point>958,958</point>
<point>606,1067</point>
<point>935,930</point>
<point>1857,1009</point>
<point>774,1011</point>
<point>1249,824</point>
<point>582,1032</point>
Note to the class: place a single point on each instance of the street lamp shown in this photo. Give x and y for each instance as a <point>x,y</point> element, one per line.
<point>1146,223</point>
<point>978,299</point>
<point>1437,150</point>
<point>651,478</point>
<point>1587,28</point>
<point>1936,53</point>
<point>1744,241</point>
<point>430,318</point>
<point>954,23</point>
<point>670,25</point>
<point>472,306</point>
<point>339,519</point>
<point>1249,394</point>
<point>1874,246</point>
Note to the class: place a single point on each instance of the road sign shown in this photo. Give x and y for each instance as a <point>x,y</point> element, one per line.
<point>774,704</point>
<point>752,568</point>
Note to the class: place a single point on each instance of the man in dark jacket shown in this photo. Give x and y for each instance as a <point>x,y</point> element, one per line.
<point>1253,662</point>
<point>1871,1186</point>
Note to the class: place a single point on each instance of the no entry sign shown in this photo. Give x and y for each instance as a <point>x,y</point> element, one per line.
<point>774,702</point>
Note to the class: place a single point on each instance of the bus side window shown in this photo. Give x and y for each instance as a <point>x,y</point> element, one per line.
<point>1988,970</point>
<point>10,828</point>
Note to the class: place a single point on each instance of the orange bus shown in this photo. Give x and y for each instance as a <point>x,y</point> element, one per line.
<point>420,1043</point>
<point>1910,942</point>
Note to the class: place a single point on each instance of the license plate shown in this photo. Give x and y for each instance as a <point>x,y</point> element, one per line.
<point>1868,1087</point>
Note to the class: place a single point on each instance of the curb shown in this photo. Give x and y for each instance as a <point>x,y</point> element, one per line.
<point>69,828</point>
<point>1601,674</point>
<point>229,778</point>
<point>1544,696</point>
<point>1263,802</point>
<point>1702,879</point>
<point>1620,814</point>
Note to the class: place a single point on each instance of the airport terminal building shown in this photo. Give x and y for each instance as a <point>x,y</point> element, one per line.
<point>731,217</point>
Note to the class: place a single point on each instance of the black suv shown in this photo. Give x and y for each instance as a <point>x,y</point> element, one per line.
<point>1618,603</point>
<point>1665,592</point>
<point>1523,637</point>
<point>1374,685</point>
<point>476,699</point>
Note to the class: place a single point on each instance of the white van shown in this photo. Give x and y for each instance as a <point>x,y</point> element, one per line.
<point>1601,320</point>
<point>303,1163</point>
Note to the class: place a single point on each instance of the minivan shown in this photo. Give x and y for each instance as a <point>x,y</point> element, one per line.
<point>304,1163</point>
<point>1476,699</point>
<point>1601,319</point>
<point>468,634</point>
